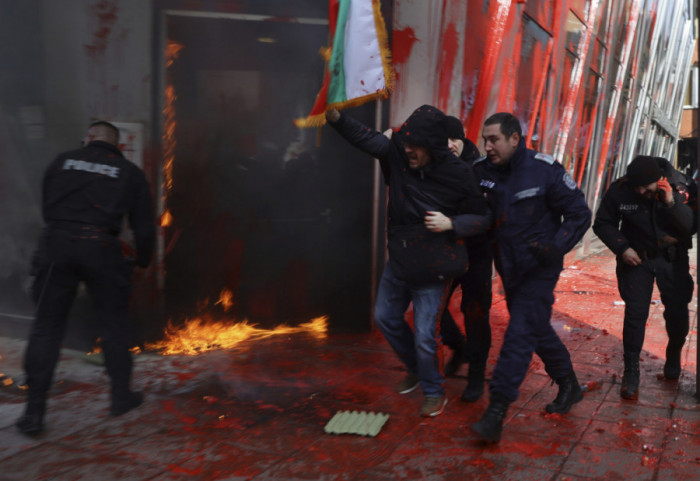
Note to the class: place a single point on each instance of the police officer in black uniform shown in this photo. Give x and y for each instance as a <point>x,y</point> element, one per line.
<point>86,195</point>
<point>645,220</point>
<point>539,215</point>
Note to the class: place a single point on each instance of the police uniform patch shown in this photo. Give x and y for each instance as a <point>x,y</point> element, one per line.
<point>568,181</point>
<point>544,158</point>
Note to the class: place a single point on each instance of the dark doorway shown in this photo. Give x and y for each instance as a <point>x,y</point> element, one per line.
<point>257,207</point>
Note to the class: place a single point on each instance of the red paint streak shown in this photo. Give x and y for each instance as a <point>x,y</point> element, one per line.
<point>494,44</point>
<point>615,101</point>
<point>105,13</point>
<point>178,469</point>
<point>450,46</point>
<point>401,44</point>
<point>576,82</point>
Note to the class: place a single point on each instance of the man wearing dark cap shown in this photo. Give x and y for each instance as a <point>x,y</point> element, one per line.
<point>476,291</point>
<point>645,220</point>
<point>424,178</point>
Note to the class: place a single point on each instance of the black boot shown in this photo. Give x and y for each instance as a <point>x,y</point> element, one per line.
<point>475,382</point>
<point>569,394</point>
<point>672,368</point>
<point>630,378</point>
<point>32,421</point>
<point>126,403</point>
<point>490,425</point>
<point>456,361</point>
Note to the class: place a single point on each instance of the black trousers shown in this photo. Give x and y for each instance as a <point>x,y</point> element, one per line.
<point>636,284</point>
<point>476,306</point>
<point>64,259</point>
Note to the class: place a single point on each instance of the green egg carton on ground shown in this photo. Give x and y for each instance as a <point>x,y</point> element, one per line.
<point>361,423</point>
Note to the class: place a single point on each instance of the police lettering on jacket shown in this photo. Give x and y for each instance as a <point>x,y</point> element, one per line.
<point>95,168</point>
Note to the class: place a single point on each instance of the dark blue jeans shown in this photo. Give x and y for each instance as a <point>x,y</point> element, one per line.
<point>417,348</point>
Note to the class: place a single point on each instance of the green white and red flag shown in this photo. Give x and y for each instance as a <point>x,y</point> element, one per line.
<point>358,61</point>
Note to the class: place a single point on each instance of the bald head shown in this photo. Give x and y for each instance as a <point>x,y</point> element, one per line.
<point>103,131</point>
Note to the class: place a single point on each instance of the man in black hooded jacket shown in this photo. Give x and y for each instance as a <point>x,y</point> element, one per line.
<point>424,178</point>
<point>476,291</point>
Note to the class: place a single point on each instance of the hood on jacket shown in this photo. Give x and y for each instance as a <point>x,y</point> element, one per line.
<point>425,127</point>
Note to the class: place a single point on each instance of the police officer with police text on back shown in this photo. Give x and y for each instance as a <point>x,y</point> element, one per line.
<point>86,195</point>
<point>539,215</point>
<point>645,220</point>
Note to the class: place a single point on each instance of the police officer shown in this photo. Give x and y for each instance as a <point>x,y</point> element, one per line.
<point>539,215</point>
<point>645,220</point>
<point>86,195</point>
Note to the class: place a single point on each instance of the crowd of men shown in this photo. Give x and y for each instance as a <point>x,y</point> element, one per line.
<point>532,214</point>
<point>451,215</point>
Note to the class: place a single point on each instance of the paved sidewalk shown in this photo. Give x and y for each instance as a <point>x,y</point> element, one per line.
<point>258,411</point>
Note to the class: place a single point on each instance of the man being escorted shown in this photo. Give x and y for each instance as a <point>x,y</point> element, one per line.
<point>644,219</point>
<point>539,215</point>
<point>425,181</point>
<point>476,292</point>
<point>86,195</point>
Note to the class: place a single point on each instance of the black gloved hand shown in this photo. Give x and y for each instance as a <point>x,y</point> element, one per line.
<point>546,253</point>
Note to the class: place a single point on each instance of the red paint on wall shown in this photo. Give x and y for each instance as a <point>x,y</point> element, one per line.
<point>401,44</point>
<point>450,46</point>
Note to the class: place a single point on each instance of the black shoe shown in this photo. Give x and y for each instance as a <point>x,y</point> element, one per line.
<point>672,368</point>
<point>32,421</point>
<point>490,425</point>
<point>133,400</point>
<point>456,361</point>
<point>569,394</point>
<point>30,424</point>
<point>475,382</point>
<point>630,378</point>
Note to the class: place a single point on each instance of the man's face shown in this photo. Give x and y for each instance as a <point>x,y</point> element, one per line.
<point>456,146</point>
<point>646,191</point>
<point>499,148</point>
<point>417,156</point>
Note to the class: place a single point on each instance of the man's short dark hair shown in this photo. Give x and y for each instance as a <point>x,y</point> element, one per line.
<point>111,127</point>
<point>509,123</point>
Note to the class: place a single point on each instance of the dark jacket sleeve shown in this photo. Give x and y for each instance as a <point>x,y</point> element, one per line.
<point>358,134</point>
<point>567,200</point>
<point>467,225</point>
<point>607,224</point>
<point>679,216</point>
<point>141,221</point>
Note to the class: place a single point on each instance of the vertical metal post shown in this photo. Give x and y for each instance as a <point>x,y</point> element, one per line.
<point>376,198</point>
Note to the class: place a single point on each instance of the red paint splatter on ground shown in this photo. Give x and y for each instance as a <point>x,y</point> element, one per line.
<point>401,44</point>
<point>180,470</point>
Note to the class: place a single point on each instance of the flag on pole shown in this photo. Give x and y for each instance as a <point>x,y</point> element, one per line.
<point>358,60</point>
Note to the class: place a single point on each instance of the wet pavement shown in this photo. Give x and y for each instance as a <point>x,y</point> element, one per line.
<point>258,411</point>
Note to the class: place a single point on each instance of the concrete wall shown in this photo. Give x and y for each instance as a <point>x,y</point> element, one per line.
<point>62,64</point>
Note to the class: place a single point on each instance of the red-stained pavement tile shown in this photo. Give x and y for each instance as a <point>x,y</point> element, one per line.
<point>257,412</point>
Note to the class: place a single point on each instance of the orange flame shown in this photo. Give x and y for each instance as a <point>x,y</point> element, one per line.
<point>198,335</point>
<point>166,219</point>
<point>225,299</point>
<point>172,51</point>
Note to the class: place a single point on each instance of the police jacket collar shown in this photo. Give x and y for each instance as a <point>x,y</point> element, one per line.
<point>105,145</point>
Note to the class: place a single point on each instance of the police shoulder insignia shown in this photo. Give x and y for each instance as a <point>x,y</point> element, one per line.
<point>569,181</point>
<point>544,157</point>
